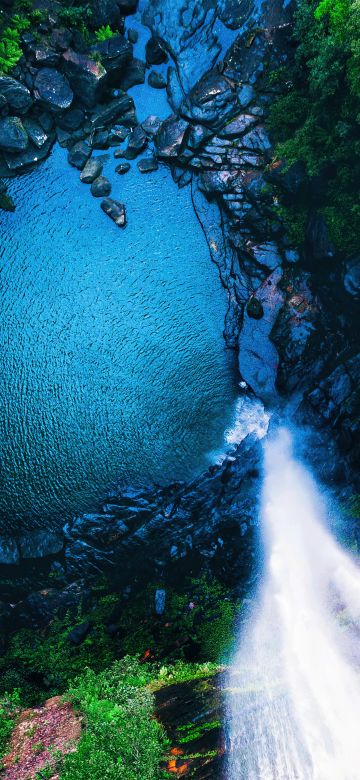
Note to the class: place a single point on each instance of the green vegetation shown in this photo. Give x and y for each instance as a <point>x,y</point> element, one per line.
<point>10,42</point>
<point>317,119</point>
<point>9,706</point>
<point>104,33</point>
<point>75,17</point>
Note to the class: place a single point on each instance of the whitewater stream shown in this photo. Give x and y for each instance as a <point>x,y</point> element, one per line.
<point>294,689</point>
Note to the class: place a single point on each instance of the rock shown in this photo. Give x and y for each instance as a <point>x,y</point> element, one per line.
<point>17,96</point>
<point>52,89</point>
<point>105,12</point>
<point>155,51</point>
<point>100,187</point>
<point>39,544</point>
<point>46,121</point>
<point>156,80</point>
<point>36,133</point>
<point>115,210</point>
<point>114,54</point>
<point>236,127</point>
<point>13,136</point>
<point>127,6</point>
<point>31,155</point>
<point>212,100</point>
<point>6,202</point>
<point>160,600</point>
<point>170,137</point>
<point>352,277</point>
<point>44,55</point>
<point>257,139</point>
<point>77,635</point>
<point>100,139</point>
<point>133,74</point>
<point>255,308</point>
<point>79,154</point>
<point>9,552</point>
<point>119,153</point>
<point>147,165</point>
<point>91,171</point>
<point>112,111</point>
<point>61,38</point>
<point>317,238</point>
<point>122,168</point>
<point>71,120</point>
<point>137,141</point>
<point>246,94</point>
<point>151,125</point>
<point>266,254</point>
<point>87,78</point>
<point>133,35</point>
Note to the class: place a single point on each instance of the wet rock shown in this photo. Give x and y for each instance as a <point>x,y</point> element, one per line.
<point>118,154</point>
<point>137,141</point>
<point>122,168</point>
<point>40,607</point>
<point>112,111</point>
<point>156,80</point>
<point>257,139</point>
<point>39,544</point>
<point>30,156</point>
<point>100,139</point>
<point>45,56</point>
<point>71,120</point>
<point>238,126</point>
<point>155,52</point>
<point>352,277</point>
<point>105,12</point>
<point>100,187</point>
<point>114,54</point>
<point>9,551</point>
<point>127,6</point>
<point>61,38</point>
<point>36,133</point>
<point>133,74</point>
<point>6,202</point>
<point>79,154</point>
<point>255,308</point>
<point>91,171</point>
<point>147,165</point>
<point>266,254</point>
<point>77,635</point>
<point>133,35</point>
<point>13,136</point>
<point>246,94</point>
<point>87,78</point>
<point>170,137</point>
<point>151,125</point>
<point>212,100</point>
<point>46,120</point>
<point>17,95</point>
<point>115,210</point>
<point>53,90</point>
<point>318,239</point>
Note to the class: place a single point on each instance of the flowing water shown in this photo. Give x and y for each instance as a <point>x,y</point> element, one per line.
<point>294,695</point>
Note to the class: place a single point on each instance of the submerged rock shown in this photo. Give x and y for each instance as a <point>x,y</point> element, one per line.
<point>115,210</point>
<point>13,136</point>
<point>155,52</point>
<point>100,187</point>
<point>91,171</point>
<point>156,80</point>
<point>147,165</point>
<point>133,74</point>
<point>79,154</point>
<point>122,168</point>
<point>137,141</point>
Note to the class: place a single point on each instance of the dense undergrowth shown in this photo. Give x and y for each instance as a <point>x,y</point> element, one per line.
<point>128,653</point>
<point>316,119</point>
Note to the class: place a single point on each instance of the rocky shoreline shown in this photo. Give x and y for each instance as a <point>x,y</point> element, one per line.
<point>291,316</point>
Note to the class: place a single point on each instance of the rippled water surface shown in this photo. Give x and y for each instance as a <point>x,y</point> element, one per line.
<point>114,366</point>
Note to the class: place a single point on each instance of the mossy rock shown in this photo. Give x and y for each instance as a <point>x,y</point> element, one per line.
<point>255,308</point>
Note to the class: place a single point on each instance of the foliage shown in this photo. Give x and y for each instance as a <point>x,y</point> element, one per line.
<point>104,33</point>
<point>122,740</point>
<point>10,43</point>
<point>316,119</point>
<point>75,17</point>
<point>9,705</point>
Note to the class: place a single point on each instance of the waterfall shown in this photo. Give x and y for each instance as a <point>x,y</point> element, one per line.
<point>294,687</point>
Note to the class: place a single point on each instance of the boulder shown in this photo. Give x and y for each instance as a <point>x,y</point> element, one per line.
<point>133,35</point>
<point>36,133</point>
<point>122,168</point>
<point>155,51</point>
<point>137,141</point>
<point>20,161</point>
<point>79,154</point>
<point>13,136</point>
<point>40,543</point>
<point>133,74</point>
<point>213,100</point>
<point>44,56</point>
<point>100,187</point>
<point>17,95</point>
<point>170,136</point>
<point>156,80</point>
<point>61,38</point>
<point>151,125</point>
<point>114,54</point>
<point>127,6</point>
<point>71,120</point>
<point>105,12</point>
<point>115,210</point>
<point>87,78</point>
<point>237,126</point>
<point>147,164</point>
<point>52,89</point>
<point>77,635</point>
<point>91,171</point>
<point>113,111</point>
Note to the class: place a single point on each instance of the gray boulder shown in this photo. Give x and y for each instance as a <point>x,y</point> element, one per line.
<point>35,132</point>
<point>17,95</point>
<point>52,89</point>
<point>13,136</point>
<point>170,137</point>
<point>87,77</point>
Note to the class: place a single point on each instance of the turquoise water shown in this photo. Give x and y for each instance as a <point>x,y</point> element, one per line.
<point>113,361</point>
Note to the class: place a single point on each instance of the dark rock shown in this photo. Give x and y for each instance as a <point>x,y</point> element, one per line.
<point>100,139</point>
<point>39,608</point>
<point>170,137</point>
<point>352,277</point>
<point>77,635</point>
<point>19,162</point>
<point>13,136</point>
<point>118,154</point>
<point>127,6</point>
<point>155,52</point>
<point>17,96</point>
<point>9,551</point>
<point>133,35</point>
<point>46,121</point>
<point>133,74</point>
<point>122,168</point>
<point>39,544</point>
<point>87,78</point>
<point>61,38</point>
<point>3,106</point>
<point>151,125</point>
<point>115,210</point>
<point>156,80</point>
<point>114,54</point>
<point>36,133</point>
<point>43,55</point>
<point>197,135</point>
<point>100,187</point>
<point>137,141</point>
<point>91,171</point>
<point>318,239</point>
<point>112,111</point>
<point>116,137</point>
<point>6,202</point>
<point>147,165</point>
<point>212,100</point>
<point>255,308</point>
<point>236,127</point>
<point>71,120</point>
<point>79,154</point>
<point>53,90</point>
<point>105,12</point>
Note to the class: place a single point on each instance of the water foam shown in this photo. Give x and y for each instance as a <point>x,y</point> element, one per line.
<point>294,694</point>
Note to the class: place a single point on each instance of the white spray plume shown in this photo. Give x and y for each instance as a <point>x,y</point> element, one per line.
<point>294,693</point>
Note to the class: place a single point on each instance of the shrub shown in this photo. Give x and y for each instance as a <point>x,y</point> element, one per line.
<point>104,33</point>
<point>9,705</point>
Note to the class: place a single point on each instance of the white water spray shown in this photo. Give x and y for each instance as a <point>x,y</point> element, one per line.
<point>294,695</point>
